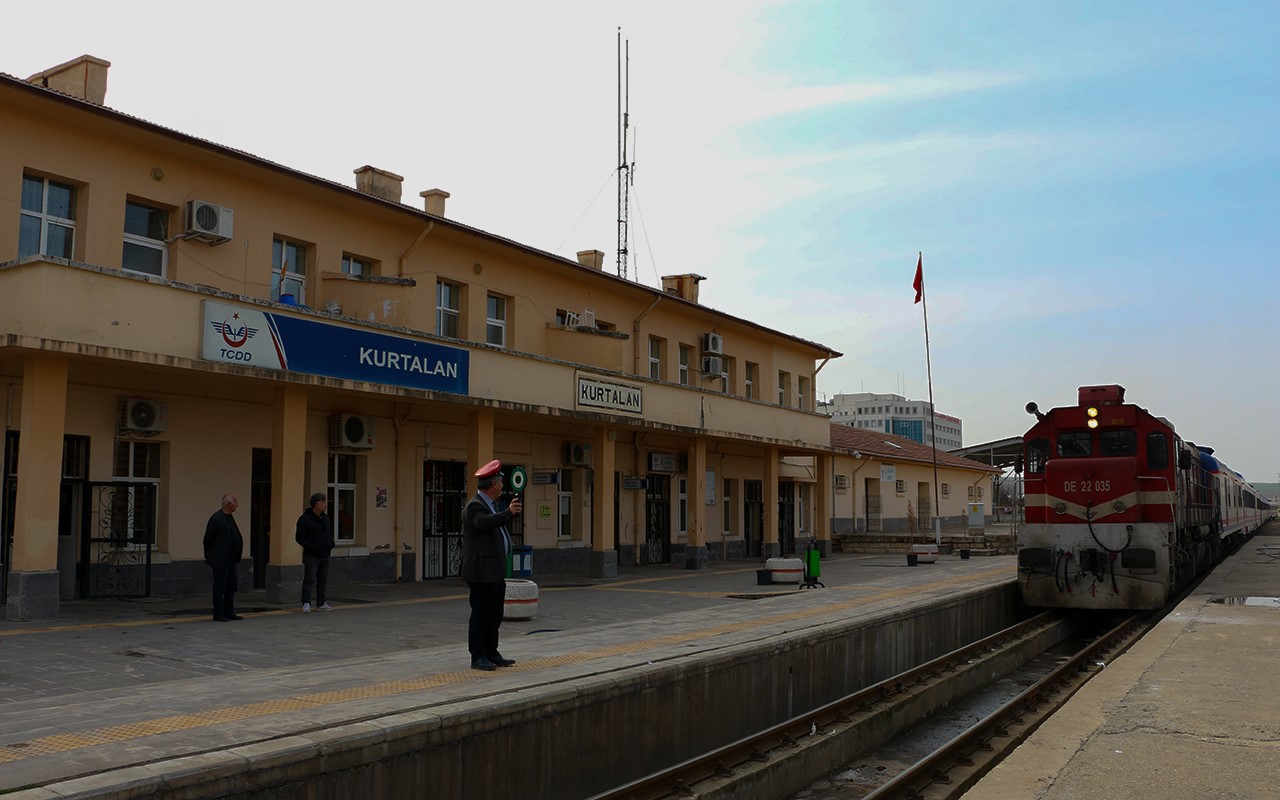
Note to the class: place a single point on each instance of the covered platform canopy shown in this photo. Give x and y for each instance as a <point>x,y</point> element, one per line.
<point>1002,453</point>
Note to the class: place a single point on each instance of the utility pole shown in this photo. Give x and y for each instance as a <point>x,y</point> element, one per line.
<point>624,168</point>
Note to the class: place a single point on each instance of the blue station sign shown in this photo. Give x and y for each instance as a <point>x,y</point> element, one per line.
<point>239,335</point>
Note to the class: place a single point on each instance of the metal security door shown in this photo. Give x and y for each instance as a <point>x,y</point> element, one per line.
<point>657,520</point>
<point>116,542</point>
<point>444,493</point>
<point>875,519</point>
<point>786,517</point>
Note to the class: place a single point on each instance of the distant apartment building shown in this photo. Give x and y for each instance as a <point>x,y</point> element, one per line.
<point>893,413</point>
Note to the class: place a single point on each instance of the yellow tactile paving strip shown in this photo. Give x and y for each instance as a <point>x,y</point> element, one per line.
<point>64,742</point>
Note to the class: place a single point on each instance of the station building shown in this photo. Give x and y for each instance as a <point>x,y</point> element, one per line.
<point>183,320</point>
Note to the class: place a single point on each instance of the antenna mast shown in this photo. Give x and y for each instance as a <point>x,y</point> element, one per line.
<point>624,169</point>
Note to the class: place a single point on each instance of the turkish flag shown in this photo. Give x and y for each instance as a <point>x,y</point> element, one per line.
<point>918,283</point>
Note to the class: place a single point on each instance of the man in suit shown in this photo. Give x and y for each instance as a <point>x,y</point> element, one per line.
<point>223,546</point>
<point>485,544</point>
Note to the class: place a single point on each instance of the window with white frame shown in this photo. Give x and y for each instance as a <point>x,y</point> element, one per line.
<point>343,493</point>
<point>784,387</point>
<point>448,301</point>
<point>564,518</point>
<point>495,323</point>
<point>288,270</point>
<point>655,358</point>
<point>355,265</point>
<point>146,233</point>
<point>683,516</point>
<point>749,388</point>
<point>134,510</point>
<point>802,393</point>
<point>685,351</point>
<point>47,222</point>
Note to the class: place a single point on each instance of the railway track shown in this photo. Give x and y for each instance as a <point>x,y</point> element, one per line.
<point>748,767</point>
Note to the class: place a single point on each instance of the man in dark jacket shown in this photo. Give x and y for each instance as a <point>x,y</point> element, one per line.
<point>315,534</point>
<point>223,546</point>
<point>485,544</point>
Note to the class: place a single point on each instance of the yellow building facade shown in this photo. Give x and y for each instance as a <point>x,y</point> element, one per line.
<point>184,320</point>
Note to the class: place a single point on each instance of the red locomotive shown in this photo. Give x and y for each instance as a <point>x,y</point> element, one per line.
<point>1121,512</point>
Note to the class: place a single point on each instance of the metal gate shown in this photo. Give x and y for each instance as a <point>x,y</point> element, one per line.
<point>924,509</point>
<point>657,520</point>
<point>444,488</point>
<point>875,517</point>
<point>118,536</point>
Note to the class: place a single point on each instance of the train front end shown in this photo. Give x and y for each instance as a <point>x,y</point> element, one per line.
<point>1100,495</point>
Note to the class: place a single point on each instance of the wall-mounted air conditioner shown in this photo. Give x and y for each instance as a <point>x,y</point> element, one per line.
<point>712,366</point>
<point>350,432</point>
<point>143,416</point>
<point>712,344</point>
<point>209,221</point>
<point>577,454</point>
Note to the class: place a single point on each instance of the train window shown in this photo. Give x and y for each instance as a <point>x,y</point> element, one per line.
<point>1114,442</point>
<point>1037,455</point>
<point>1157,451</point>
<point>1075,445</point>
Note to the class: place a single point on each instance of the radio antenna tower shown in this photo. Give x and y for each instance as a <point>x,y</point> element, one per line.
<point>624,168</point>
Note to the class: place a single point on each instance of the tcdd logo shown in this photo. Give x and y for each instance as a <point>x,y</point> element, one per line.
<point>235,338</point>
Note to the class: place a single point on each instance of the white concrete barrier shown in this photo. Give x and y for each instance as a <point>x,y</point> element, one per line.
<point>521,601</point>
<point>925,553</point>
<point>785,570</point>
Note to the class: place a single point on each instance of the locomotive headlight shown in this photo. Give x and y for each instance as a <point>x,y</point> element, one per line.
<point>1093,423</point>
<point>1119,506</point>
<point>1061,508</point>
<point>1092,412</point>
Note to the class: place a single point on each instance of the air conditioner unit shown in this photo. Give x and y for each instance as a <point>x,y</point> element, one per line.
<point>350,432</point>
<point>577,454</point>
<point>712,344</point>
<point>143,416</point>
<point>842,481</point>
<point>712,366</point>
<point>208,221</point>
<point>588,318</point>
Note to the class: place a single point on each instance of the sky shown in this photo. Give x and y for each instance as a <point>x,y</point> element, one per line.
<point>1093,185</point>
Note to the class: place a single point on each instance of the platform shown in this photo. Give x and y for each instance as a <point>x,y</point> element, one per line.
<point>1191,711</point>
<point>126,693</point>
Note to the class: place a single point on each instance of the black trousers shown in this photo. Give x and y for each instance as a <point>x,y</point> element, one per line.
<point>315,572</point>
<point>224,591</point>
<point>486,616</point>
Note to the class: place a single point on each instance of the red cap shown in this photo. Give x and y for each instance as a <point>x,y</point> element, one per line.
<point>490,469</point>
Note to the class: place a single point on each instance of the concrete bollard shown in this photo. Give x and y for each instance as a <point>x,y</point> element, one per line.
<point>521,601</point>
<point>785,570</point>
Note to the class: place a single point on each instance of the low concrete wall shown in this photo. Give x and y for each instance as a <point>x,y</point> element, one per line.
<point>588,734</point>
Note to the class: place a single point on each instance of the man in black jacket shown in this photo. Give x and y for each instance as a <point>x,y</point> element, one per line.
<point>315,534</point>
<point>485,544</point>
<point>223,546</point>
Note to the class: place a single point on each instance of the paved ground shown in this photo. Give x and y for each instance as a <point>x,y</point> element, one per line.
<point>114,683</point>
<point>1190,712</point>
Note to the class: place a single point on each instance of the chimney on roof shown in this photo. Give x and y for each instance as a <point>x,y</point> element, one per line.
<point>379,183</point>
<point>591,258</point>
<point>433,201</point>
<point>84,77</point>
<point>683,286</point>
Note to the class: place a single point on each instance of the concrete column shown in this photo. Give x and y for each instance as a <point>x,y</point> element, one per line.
<point>772,469</point>
<point>288,494</point>
<point>823,510</point>
<point>604,553</point>
<point>695,549</point>
<point>479,446</point>
<point>33,573</point>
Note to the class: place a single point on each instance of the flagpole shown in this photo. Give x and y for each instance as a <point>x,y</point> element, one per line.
<point>924,299</point>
